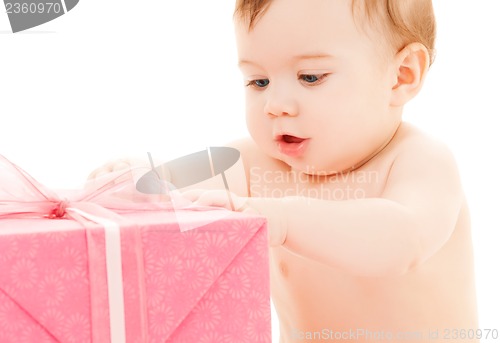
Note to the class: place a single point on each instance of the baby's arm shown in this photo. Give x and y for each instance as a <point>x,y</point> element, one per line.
<point>411,221</point>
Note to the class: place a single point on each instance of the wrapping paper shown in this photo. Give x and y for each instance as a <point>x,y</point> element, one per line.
<point>209,284</point>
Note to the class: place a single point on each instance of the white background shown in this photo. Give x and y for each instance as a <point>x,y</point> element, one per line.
<point>117,78</point>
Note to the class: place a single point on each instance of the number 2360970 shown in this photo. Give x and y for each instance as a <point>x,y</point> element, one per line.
<point>32,8</point>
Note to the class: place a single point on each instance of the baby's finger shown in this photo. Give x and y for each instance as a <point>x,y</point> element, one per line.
<point>102,172</point>
<point>120,165</point>
<point>249,210</point>
<point>214,198</point>
<point>97,172</point>
<point>223,198</point>
<point>193,194</point>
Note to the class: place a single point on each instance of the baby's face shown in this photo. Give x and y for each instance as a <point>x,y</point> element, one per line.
<point>318,94</point>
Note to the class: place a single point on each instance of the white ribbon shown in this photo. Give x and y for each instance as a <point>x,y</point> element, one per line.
<point>114,275</point>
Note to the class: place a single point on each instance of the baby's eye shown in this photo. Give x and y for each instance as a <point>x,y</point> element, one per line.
<point>261,83</point>
<point>313,79</point>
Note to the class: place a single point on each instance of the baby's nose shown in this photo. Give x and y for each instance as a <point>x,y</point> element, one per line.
<point>281,103</point>
<point>281,106</point>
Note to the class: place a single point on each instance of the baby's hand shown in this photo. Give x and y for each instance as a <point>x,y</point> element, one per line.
<point>276,222</point>
<point>115,166</point>
<point>218,198</point>
<point>115,170</point>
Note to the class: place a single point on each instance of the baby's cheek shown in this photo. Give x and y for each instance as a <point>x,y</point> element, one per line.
<point>259,133</point>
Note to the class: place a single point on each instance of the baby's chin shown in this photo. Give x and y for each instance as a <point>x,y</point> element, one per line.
<point>324,169</point>
<point>314,170</point>
<point>309,166</point>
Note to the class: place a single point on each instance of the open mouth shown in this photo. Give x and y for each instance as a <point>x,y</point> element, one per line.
<point>292,145</point>
<point>291,139</point>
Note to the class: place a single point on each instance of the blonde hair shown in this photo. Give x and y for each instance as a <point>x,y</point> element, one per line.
<point>402,21</point>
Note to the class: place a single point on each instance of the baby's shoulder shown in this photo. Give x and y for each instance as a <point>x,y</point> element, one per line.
<point>414,143</point>
<point>418,153</point>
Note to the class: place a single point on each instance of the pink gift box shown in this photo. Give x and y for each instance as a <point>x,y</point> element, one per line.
<point>208,284</point>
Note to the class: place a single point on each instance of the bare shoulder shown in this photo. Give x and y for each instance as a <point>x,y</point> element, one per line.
<point>421,161</point>
<point>416,148</point>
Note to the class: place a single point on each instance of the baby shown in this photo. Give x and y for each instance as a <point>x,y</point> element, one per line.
<point>369,227</point>
<point>368,223</point>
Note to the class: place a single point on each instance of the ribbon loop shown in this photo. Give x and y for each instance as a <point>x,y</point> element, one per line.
<point>23,196</point>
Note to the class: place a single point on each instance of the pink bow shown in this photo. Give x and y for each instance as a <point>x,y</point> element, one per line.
<point>23,196</point>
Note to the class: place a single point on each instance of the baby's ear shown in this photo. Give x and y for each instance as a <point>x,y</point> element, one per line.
<point>412,63</point>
